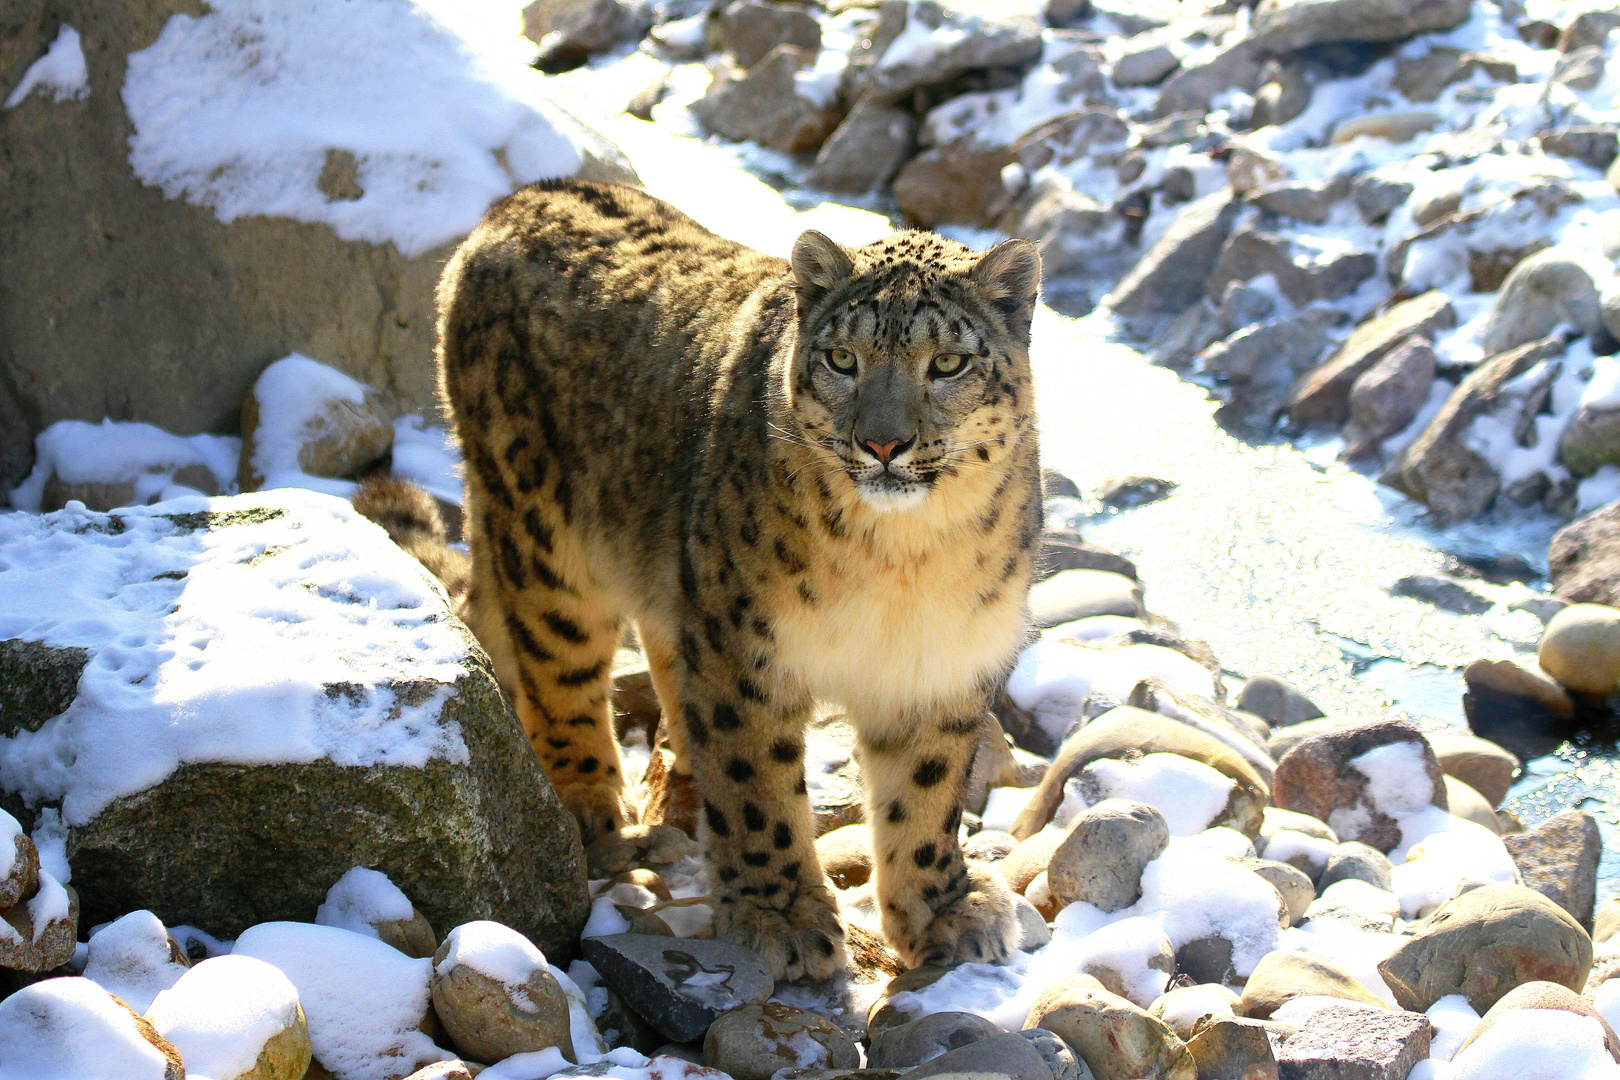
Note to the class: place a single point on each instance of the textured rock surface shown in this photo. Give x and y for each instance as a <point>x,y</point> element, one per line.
<point>1345,1041</point>
<point>1559,859</point>
<point>1101,858</point>
<point>655,976</point>
<point>1170,277</point>
<point>1113,1037</point>
<point>1316,778</point>
<point>927,1037</point>
<point>1323,394</point>
<point>1282,976</point>
<point>1285,25</point>
<point>1583,560</point>
<point>754,1041</point>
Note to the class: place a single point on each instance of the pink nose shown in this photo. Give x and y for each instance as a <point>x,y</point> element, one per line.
<point>882,450</point>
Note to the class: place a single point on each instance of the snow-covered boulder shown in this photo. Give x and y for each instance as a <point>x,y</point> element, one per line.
<point>232,702</point>
<point>194,190</point>
<point>72,1029</point>
<point>235,1018</point>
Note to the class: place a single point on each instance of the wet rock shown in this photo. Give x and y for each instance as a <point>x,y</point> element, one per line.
<point>1114,1037</point>
<point>1559,859</point>
<point>1479,763</point>
<point>751,29</point>
<point>927,1037</point>
<point>867,149</point>
<point>1170,277</point>
<point>1260,364</point>
<point>1375,196</point>
<point>1126,731</point>
<point>1081,594</point>
<point>1233,1046</point>
<point>1355,861</point>
<point>1316,778</point>
<point>957,183</point>
<point>1485,942</point>
<point>1522,710</point>
<point>490,1016</point>
<point>1438,590</point>
<point>655,975</point>
<point>1581,648</point>
<point>1343,1040</point>
<point>1323,395</point>
<point>1058,555</point>
<point>1387,397</point>
<point>1281,976</point>
<point>766,104</point>
<point>1101,858</point>
<point>1286,25</point>
<point>754,1041</point>
<point>1550,287</point>
<point>1438,469</point>
<point>1009,1054</point>
<point>1276,700</point>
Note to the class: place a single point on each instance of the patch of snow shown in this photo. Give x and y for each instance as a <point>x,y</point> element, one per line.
<point>61,73</point>
<point>604,919</point>
<point>221,1012</point>
<point>72,1029</point>
<point>427,456</point>
<point>1454,1020</point>
<point>1188,793</point>
<point>123,452</point>
<point>361,899</point>
<point>493,950</point>
<point>130,957</point>
<point>1052,679</point>
<point>1438,852</point>
<point>1536,1044</point>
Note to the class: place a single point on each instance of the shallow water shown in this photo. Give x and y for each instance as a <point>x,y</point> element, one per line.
<point>1281,559</point>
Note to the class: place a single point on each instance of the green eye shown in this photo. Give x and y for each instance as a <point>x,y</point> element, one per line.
<point>841,360</point>
<point>946,365</point>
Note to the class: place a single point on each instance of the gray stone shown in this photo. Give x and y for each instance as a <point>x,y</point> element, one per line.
<point>1079,594</point>
<point>1423,78</point>
<point>1067,226</point>
<point>1145,66</point>
<point>1355,1044</point>
<point>1311,202</point>
<point>1101,858</point>
<point>866,150</point>
<point>1032,929</point>
<point>1124,492</point>
<point>916,1041</point>
<point>1375,196</point>
<point>654,976</point>
<point>1170,277</point>
<point>1323,395</point>
<point>1559,859</point>
<point>1516,707</point>
<point>1096,134</point>
<point>755,1041</point>
<point>1259,366</point>
<point>1275,699</point>
<point>1594,146</point>
<point>1172,130</point>
<point>1058,555</point>
<point>1484,943</point>
<point>1438,590</point>
<point>1580,69</point>
<point>1008,1055</point>
<point>482,838</point>
<point>1059,1058</point>
<point>751,29</point>
<point>1250,252</point>
<point>1207,960</point>
<point>1438,468</point>
<point>1583,560</point>
<point>1387,397</point>
<point>1114,1037</point>
<point>1547,288</point>
<point>1590,441</point>
<point>1358,903</point>
<point>764,104</point>
<point>569,31</point>
<point>969,39</point>
<point>1243,306</point>
<point>1316,778</point>
<point>1588,28</point>
<point>1193,88</point>
<point>1286,25</point>
<point>1182,338</point>
<point>1353,860</point>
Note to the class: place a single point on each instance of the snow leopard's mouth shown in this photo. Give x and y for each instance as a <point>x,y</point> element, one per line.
<point>887,491</point>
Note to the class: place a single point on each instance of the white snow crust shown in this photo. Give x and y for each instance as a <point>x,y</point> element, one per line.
<point>493,950</point>
<point>1535,1044</point>
<point>293,395</point>
<point>130,957</point>
<point>72,1029</point>
<point>1188,793</point>
<point>361,899</point>
<point>61,73</point>
<point>1052,679</point>
<point>220,1014</point>
<point>114,452</point>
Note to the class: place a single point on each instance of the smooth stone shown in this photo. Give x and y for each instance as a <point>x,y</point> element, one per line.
<point>884,1013</point>
<point>1032,929</point>
<point>1282,975</point>
<point>1293,885</point>
<point>1080,594</point>
<point>1341,1040</point>
<point>1481,764</point>
<point>1559,859</point>
<point>1059,1058</point>
<point>1030,859</point>
<point>1101,858</point>
<point>652,974</point>
<point>1184,1007</point>
<point>1285,739</point>
<point>754,1041</point>
<point>1524,711</point>
<point>1355,860</point>
<point>1606,924</point>
<point>1484,943</point>
<point>1123,732</point>
<point>846,855</point>
<point>1275,699</point>
<point>1542,995</point>
<point>912,1043</point>
<point>1209,959</point>
<point>1114,1037</point>
<point>1316,778</point>
<point>1233,1046</point>
<point>1470,805</point>
<point>1358,903</point>
<point>1551,286</point>
<point>1581,648</point>
<point>1278,820</point>
<point>1007,1055</point>
<point>444,1070</point>
<point>489,1019</point>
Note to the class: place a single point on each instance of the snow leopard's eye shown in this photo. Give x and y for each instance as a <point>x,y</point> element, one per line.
<point>947,365</point>
<point>841,361</point>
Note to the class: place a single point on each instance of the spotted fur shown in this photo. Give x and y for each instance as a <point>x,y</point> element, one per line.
<point>764,464</point>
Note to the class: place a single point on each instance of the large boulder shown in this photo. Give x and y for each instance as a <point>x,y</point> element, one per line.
<point>152,226</point>
<point>1323,394</point>
<point>1170,277</point>
<point>234,701</point>
<point>1285,25</point>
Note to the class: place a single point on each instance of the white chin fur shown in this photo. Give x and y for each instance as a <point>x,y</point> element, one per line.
<point>887,497</point>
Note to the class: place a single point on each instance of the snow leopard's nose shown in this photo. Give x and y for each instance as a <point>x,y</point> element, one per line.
<point>884,451</point>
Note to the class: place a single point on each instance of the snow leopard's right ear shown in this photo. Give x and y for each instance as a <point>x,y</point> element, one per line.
<point>819,266</point>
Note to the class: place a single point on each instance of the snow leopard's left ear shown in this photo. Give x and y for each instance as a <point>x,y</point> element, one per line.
<point>819,266</point>
<point>1010,275</point>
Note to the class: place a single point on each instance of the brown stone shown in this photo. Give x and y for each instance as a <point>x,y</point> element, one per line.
<point>1316,778</point>
<point>1479,763</point>
<point>1485,942</point>
<point>1559,859</point>
<point>846,855</point>
<point>958,184</point>
<point>1543,995</point>
<point>1323,394</point>
<point>750,30</point>
<point>866,150</point>
<point>1113,1036</point>
<point>22,877</point>
<point>1281,976</point>
<point>1583,560</point>
<point>764,105</point>
<point>40,948</point>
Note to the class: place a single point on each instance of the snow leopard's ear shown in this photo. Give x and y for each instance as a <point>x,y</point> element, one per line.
<point>819,266</point>
<point>1010,275</point>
